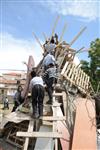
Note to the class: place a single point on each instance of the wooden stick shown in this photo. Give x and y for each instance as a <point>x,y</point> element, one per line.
<point>62,34</point>
<point>40,134</point>
<point>38,41</point>
<point>55,24</point>
<point>79,50</point>
<point>52,118</point>
<point>76,37</point>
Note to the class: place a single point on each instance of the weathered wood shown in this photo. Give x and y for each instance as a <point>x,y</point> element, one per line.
<point>84,134</point>
<point>40,134</point>
<point>76,37</point>
<point>55,24</point>
<point>61,127</point>
<point>64,103</point>
<point>38,41</point>
<point>48,123</point>
<point>58,94</point>
<point>53,118</point>
<point>31,64</point>
<point>44,143</point>
<point>63,31</point>
<point>76,76</point>
<point>30,129</point>
<point>55,122</point>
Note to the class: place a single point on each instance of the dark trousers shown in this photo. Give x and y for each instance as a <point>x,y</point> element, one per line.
<point>50,88</point>
<point>6,105</point>
<point>16,104</point>
<point>37,99</point>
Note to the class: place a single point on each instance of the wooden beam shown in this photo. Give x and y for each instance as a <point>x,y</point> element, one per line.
<point>52,118</point>
<point>44,143</point>
<point>84,134</point>
<point>47,123</point>
<point>55,122</point>
<point>62,127</point>
<point>79,50</point>
<point>30,129</point>
<point>76,37</point>
<point>55,24</point>
<point>38,41</point>
<point>62,34</point>
<point>40,134</point>
<point>57,94</point>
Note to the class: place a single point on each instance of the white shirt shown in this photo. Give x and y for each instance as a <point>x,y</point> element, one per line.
<point>49,47</point>
<point>48,60</point>
<point>36,80</point>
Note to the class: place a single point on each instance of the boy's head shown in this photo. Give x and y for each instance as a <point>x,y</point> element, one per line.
<point>33,74</point>
<point>20,88</point>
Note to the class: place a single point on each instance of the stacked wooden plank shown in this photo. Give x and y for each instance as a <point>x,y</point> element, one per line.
<point>76,76</point>
<point>12,138</point>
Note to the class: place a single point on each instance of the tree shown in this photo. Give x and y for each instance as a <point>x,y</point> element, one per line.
<point>92,68</point>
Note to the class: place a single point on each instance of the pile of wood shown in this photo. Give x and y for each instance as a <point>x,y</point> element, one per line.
<point>58,130</point>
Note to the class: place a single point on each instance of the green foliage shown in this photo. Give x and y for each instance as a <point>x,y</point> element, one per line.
<point>92,68</point>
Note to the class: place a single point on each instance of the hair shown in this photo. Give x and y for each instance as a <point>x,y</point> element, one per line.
<point>18,89</point>
<point>52,40</point>
<point>33,74</point>
<point>52,53</point>
<point>51,65</point>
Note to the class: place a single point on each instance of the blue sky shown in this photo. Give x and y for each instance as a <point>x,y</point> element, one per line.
<point>19,18</point>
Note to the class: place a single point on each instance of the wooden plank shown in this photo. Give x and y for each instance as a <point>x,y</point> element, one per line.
<point>47,143</point>
<point>55,24</point>
<point>76,37</point>
<point>30,65</point>
<point>64,104</point>
<point>40,134</point>
<point>57,94</point>
<point>84,135</point>
<point>62,127</point>
<point>53,118</point>
<point>30,129</point>
<point>54,107</point>
<point>48,123</point>
<point>76,76</point>
<point>64,68</point>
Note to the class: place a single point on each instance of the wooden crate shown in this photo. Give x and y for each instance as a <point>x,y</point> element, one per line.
<point>76,76</point>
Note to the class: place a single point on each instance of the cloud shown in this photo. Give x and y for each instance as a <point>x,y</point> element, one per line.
<point>88,10</point>
<point>14,51</point>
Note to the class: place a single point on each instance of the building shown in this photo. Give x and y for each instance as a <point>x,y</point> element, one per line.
<point>9,83</point>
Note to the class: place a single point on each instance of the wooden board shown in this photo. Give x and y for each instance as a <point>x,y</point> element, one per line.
<point>47,143</point>
<point>84,135</point>
<point>30,129</point>
<point>76,76</point>
<point>62,127</point>
<point>52,118</point>
<point>40,134</point>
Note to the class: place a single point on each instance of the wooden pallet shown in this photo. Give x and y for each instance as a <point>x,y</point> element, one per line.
<point>13,139</point>
<point>76,76</point>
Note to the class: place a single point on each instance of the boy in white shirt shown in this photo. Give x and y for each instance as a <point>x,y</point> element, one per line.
<point>37,91</point>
